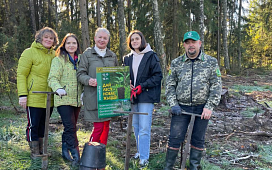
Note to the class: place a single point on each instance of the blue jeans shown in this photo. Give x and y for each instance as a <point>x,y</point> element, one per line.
<point>178,129</point>
<point>142,128</point>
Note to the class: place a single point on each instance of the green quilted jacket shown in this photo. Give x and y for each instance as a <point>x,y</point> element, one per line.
<point>62,73</point>
<point>32,73</point>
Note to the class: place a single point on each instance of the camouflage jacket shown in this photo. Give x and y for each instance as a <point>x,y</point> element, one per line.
<point>194,83</point>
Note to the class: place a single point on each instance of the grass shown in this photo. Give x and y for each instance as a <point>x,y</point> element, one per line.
<point>224,152</point>
<point>252,111</point>
<point>266,153</point>
<point>14,150</point>
<point>236,89</point>
<point>207,165</point>
<point>249,89</point>
<point>15,153</point>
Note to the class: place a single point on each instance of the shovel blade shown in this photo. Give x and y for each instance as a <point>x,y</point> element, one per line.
<point>45,162</point>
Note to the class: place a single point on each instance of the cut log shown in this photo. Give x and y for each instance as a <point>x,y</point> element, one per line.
<point>224,96</point>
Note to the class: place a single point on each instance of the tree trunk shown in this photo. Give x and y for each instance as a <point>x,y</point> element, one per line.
<point>13,13</point>
<point>7,13</point>
<point>93,22</point>
<point>40,13</point>
<point>190,21</point>
<point>32,14</point>
<point>233,63</point>
<point>76,12</point>
<point>218,32</point>
<point>109,19</point>
<point>49,13</point>
<point>202,23</point>
<point>84,24</point>
<point>72,10</point>
<point>239,36</point>
<point>122,31</point>
<point>67,11</point>
<point>158,39</point>
<point>56,15</point>
<point>129,15</point>
<point>98,13</point>
<point>36,6</point>
<point>174,31</point>
<point>225,44</point>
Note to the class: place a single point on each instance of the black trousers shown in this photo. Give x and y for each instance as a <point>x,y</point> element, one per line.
<point>69,116</point>
<point>36,123</point>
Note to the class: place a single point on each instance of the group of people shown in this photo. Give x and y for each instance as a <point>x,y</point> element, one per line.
<point>193,85</point>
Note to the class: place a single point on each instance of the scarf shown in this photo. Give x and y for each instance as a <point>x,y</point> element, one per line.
<point>99,51</point>
<point>73,61</point>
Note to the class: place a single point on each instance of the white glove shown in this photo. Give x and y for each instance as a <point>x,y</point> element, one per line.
<point>81,98</point>
<point>23,101</point>
<point>61,92</point>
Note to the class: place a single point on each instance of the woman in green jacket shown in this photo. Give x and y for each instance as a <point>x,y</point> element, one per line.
<point>33,69</point>
<point>63,74</point>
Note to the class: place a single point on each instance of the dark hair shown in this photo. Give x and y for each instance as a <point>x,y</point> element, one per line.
<point>39,35</point>
<point>143,41</point>
<point>61,49</point>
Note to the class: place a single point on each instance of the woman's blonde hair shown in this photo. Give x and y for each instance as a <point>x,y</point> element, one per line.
<point>39,35</point>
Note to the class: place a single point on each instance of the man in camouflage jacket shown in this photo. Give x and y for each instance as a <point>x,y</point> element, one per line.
<point>193,85</point>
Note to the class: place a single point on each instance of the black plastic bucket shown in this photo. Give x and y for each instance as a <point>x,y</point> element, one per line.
<point>93,156</point>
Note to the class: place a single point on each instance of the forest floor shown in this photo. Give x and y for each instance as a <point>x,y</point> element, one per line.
<point>239,135</point>
<point>238,130</point>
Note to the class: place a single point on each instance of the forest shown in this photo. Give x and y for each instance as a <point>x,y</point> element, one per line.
<point>236,32</point>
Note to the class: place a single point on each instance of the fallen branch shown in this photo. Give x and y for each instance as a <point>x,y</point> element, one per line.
<point>244,158</point>
<point>229,135</point>
<point>219,135</point>
<point>267,105</point>
<point>232,151</point>
<point>258,133</point>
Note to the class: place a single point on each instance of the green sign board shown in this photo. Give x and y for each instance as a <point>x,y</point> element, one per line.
<point>113,90</point>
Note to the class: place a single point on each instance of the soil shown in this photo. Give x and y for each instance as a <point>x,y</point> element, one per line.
<point>229,130</point>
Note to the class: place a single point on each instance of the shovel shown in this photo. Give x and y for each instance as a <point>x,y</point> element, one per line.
<point>45,142</point>
<point>188,139</point>
<point>129,129</point>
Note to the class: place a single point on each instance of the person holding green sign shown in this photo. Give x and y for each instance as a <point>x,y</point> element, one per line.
<point>97,56</point>
<point>145,76</point>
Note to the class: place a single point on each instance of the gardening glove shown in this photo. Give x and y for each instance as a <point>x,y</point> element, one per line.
<point>23,101</point>
<point>176,110</point>
<point>81,98</point>
<point>138,89</point>
<point>61,92</point>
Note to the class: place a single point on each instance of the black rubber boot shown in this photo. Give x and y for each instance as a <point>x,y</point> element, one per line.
<point>195,158</point>
<point>170,160</point>
<point>65,152</point>
<point>41,145</point>
<point>75,154</point>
